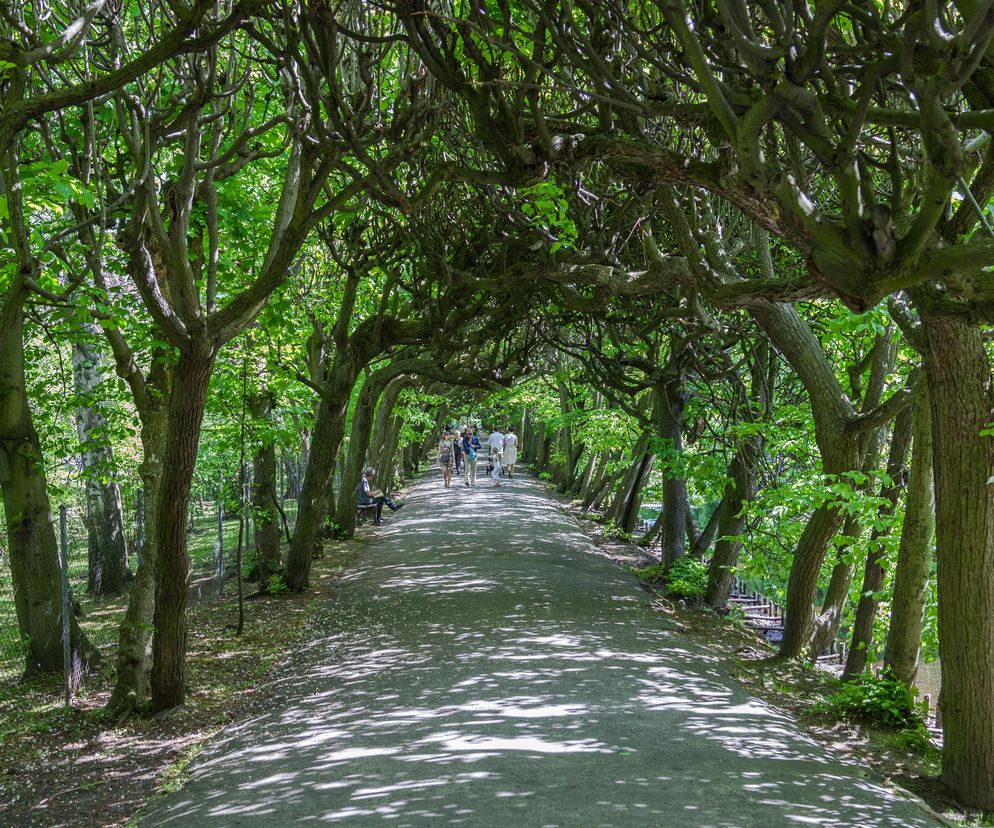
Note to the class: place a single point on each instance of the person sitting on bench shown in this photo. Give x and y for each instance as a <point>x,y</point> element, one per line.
<point>369,496</point>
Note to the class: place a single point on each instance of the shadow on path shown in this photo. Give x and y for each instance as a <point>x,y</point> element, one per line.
<point>484,665</point>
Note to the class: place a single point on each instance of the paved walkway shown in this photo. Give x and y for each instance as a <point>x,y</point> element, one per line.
<point>483,665</point>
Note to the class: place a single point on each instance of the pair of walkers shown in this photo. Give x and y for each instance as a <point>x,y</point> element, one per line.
<point>451,447</point>
<point>503,452</point>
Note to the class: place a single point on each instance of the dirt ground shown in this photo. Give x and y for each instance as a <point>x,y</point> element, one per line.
<point>79,768</point>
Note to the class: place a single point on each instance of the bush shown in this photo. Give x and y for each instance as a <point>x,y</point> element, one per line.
<point>654,574</point>
<point>613,531</point>
<point>735,614</point>
<point>276,585</point>
<point>687,578</point>
<point>880,700</point>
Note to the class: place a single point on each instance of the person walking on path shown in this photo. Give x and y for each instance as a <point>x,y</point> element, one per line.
<point>457,451</point>
<point>368,495</point>
<point>470,446</point>
<point>510,451</point>
<point>446,453</point>
<point>495,471</point>
<point>496,442</point>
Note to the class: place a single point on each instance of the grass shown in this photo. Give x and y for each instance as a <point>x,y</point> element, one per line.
<point>201,545</point>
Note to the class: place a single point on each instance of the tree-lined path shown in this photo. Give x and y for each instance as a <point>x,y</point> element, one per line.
<point>483,665</point>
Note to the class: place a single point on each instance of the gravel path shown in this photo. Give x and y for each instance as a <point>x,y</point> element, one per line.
<point>484,665</point>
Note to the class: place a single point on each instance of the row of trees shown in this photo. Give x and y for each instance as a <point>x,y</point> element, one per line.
<point>325,211</point>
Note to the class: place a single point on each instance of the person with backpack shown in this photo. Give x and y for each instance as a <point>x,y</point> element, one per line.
<point>470,446</point>
<point>446,456</point>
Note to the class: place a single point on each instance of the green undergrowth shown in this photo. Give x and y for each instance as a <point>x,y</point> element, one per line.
<point>881,700</point>
<point>685,577</point>
<point>223,669</point>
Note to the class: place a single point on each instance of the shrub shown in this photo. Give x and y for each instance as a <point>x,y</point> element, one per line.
<point>735,614</point>
<point>654,574</point>
<point>276,585</point>
<point>613,531</point>
<point>881,700</point>
<point>687,578</point>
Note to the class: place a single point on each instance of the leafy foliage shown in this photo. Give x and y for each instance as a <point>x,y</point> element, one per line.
<point>687,578</point>
<point>882,700</point>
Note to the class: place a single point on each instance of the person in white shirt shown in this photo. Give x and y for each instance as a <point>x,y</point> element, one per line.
<point>510,451</point>
<point>496,442</point>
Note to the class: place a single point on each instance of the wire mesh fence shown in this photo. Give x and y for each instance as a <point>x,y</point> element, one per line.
<point>212,543</point>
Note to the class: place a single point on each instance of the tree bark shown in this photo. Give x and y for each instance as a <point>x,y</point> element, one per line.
<point>186,410</point>
<point>326,440</point>
<point>914,555</point>
<point>109,573</point>
<point>829,619</point>
<point>266,520</point>
<point>33,550</point>
<point>959,379</point>
<point>740,489</point>
<point>359,440</point>
<point>876,558</point>
<point>669,401</point>
<point>134,645</point>
<point>832,411</point>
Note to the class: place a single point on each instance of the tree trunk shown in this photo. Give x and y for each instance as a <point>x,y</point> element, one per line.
<point>829,619</point>
<point>186,411</point>
<point>914,555</point>
<point>832,411</point>
<point>33,552</point>
<point>808,556</point>
<point>134,644</point>
<point>326,440</point>
<point>109,573</point>
<point>959,379</point>
<point>876,558</point>
<point>630,511</point>
<point>669,401</point>
<point>629,479</point>
<point>740,489</point>
<point>355,460</point>
<point>266,520</point>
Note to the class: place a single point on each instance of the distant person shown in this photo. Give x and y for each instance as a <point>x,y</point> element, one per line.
<point>495,469</point>
<point>496,442</point>
<point>510,451</point>
<point>369,495</point>
<point>446,456</point>
<point>457,450</point>
<point>470,446</point>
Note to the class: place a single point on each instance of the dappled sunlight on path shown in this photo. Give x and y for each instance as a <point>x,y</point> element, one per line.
<point>484,665</point>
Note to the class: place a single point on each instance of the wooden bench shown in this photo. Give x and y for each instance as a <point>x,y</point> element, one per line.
<point>361,511</point>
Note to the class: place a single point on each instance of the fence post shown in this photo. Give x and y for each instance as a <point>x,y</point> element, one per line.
<point>64,565</point>
<point>139,525</point>
<point>219,546</point>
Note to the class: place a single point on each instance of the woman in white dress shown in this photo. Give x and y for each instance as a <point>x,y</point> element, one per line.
<point>510,451</point>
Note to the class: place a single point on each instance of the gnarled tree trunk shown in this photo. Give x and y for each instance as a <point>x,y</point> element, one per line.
<point>874,571</point>
<point>34,556</point>
<point>959,379</point>
<point>914,555</point>
<point>186,410</point>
